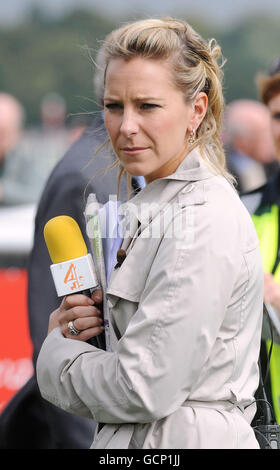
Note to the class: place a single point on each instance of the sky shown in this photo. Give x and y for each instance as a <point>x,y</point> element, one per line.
<point>221,12</point>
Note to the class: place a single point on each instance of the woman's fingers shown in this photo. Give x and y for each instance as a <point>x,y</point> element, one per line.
<point>80,299</point>
<point>84,335</point>
<point>89,326</point>
<point>86,318</point>
<point>77,312</point>
<point>82,318</point>
<point>87,322</point>
<point>97,296</point>
<point>75,300</point>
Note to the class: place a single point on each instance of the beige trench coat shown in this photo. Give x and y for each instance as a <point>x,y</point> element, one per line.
<point>185,325</point>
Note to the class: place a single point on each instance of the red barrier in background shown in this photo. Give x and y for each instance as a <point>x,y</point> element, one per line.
<point>15,344</point>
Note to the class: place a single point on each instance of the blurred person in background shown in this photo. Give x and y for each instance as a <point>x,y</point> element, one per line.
<point>19,178</point>
<point>53,112</point>
<point>11,122</point>
<point>264,204</point>
<point>249,147</point>
<point>54,133</point>
<point>48,142</point>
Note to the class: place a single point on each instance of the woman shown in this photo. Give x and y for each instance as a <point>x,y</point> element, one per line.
<point>186,302</point>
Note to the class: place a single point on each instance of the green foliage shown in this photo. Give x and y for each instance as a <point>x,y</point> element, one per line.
<point>44,55</point>
<point>249,49</point>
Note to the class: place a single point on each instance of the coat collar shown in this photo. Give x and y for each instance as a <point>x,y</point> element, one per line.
<point>194,167</point>
<point>147,203</point>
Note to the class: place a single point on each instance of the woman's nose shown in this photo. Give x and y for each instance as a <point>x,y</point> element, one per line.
<point>129,125</point>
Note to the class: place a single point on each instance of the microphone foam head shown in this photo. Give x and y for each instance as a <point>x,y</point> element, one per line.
<point>64,239</point>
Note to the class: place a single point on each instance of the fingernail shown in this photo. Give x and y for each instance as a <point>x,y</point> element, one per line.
<point>97,297</point>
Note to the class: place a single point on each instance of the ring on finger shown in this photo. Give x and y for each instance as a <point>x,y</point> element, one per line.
<point>72,330</point>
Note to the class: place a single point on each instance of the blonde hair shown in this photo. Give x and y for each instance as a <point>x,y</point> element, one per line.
<point>194,65</point>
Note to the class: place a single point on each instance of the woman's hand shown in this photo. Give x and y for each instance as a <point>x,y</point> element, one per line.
<point>84,314</point>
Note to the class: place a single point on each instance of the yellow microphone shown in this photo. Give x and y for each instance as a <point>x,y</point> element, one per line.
<point>73,269</point>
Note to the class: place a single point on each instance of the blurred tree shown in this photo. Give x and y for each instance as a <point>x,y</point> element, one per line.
<point>249,48</point>
<point>43,55</point>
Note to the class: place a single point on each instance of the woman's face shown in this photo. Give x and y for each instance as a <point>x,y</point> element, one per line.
<point>274,109</point>
<point>147,117</point>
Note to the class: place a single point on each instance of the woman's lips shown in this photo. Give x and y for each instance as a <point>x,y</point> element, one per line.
<point>133,150</point>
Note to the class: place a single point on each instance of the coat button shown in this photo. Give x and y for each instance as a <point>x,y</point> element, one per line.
<point>188,188</point>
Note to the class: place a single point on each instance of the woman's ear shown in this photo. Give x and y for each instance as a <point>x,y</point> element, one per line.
<point>199,106</point>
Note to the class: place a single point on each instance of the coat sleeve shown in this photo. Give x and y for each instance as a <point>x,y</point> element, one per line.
<point>167,341</point>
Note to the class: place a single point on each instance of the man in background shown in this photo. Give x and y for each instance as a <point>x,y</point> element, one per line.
<point>23,170</point>
<point>11,122</point>
<point>248,142</point>
<point>14,167</point>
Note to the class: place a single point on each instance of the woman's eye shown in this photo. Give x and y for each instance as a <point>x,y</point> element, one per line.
<point>148,105</point>
<point>113,106</point>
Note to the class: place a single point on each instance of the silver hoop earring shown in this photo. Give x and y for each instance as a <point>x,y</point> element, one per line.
<point>192,137</point>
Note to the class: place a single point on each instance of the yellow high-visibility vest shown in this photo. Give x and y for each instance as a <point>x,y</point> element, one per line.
<point>267,226</point>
